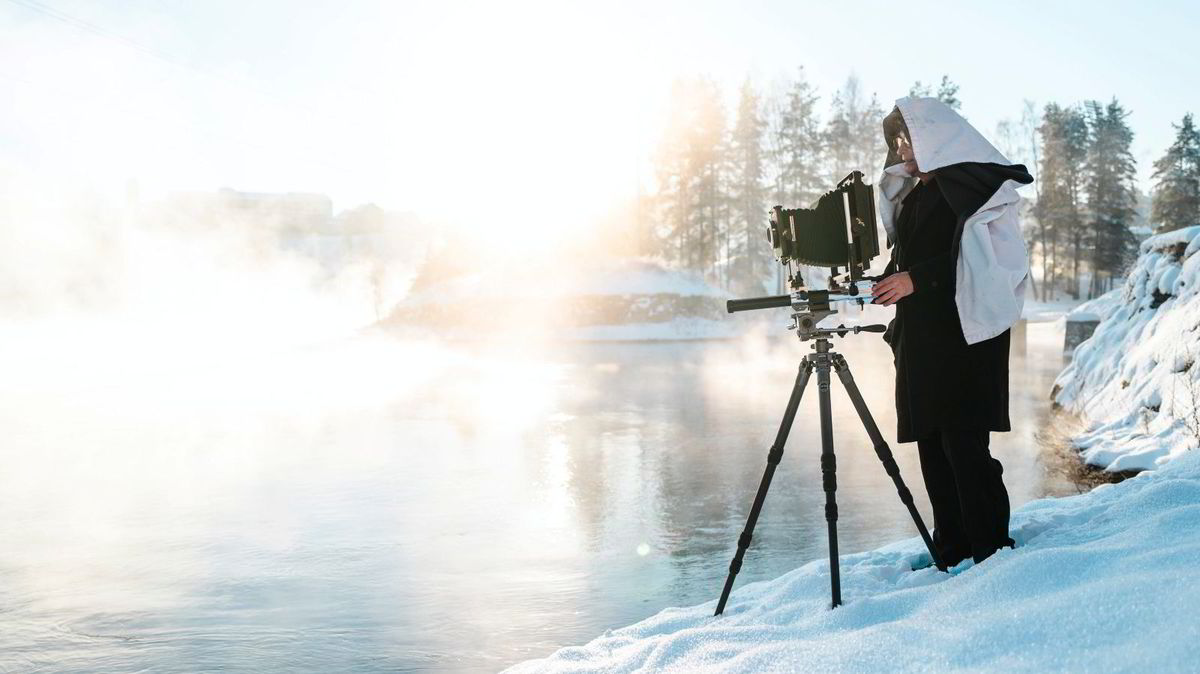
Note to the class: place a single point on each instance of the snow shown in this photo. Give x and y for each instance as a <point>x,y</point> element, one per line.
<point>1134,382</point>
<point>620,277</point>
<point>1103,581</point>
<point>1094,309</point>
<point>1036,311</point>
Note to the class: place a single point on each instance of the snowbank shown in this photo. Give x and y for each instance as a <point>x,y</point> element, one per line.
<point>1133,382</point>
<point>1103,581</point>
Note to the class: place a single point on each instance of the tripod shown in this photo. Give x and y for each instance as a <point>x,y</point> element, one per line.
<point>822,361</point>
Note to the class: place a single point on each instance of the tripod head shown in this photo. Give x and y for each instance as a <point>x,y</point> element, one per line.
<point>810,307</point>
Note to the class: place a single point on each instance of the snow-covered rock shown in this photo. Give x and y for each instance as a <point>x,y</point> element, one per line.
<point>1100,582</point>
<point>1134,382</point>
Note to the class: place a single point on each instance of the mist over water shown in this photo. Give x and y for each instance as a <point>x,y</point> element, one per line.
<point>200,491</point>
<point>214,458</point>
<point>146,363</point>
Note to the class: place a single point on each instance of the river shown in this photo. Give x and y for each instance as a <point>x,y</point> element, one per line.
<point>380,504</point>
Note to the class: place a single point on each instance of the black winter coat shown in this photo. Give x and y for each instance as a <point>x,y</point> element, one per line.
<point>941,381</point>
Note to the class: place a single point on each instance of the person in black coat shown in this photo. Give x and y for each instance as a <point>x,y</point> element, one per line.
<point>949,394</point>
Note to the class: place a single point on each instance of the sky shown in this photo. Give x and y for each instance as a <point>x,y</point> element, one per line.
<point>529,117</point>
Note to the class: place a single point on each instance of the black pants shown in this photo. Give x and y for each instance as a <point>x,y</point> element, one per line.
<point>970,503</point>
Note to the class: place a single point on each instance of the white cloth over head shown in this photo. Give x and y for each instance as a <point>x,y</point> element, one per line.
<point>992,268</point>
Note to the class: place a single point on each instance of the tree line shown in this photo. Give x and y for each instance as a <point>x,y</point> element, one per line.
<point>717,177</point>
<point>717,174</point>
<point>1083,226</point>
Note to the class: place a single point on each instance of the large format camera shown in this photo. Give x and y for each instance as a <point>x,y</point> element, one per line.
<point>838,231</point>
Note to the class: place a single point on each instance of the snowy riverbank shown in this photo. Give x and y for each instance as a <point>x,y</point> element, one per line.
<point>1103,581</point>
<point>1134,382</point>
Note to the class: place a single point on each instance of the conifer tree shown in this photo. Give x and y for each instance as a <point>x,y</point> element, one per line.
<point>672,197</point>
<point>1111,193</point>
<point>853,135</point>
<point>748,219</point>
<point>947,92</point>
<point>1064,240</point>
<point>1177,180</point>
<point>799,151</point>
<point>800,147</point>
<point>1053,200</point>
<point>710,170</point>
<point>839,130</point>
<point>869,145</point>
<point>693,177</point>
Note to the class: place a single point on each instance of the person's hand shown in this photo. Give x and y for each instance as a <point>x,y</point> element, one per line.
<point>888,291</point>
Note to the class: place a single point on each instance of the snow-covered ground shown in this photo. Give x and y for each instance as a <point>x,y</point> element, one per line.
<point>1101,582</point>
<point>1134,382</point>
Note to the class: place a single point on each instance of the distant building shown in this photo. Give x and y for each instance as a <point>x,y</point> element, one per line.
<point>370,231</point>
<point>293,213</point>
<point>265,212</point>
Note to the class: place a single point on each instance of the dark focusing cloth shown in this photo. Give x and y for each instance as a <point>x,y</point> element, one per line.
<point>941,381</point>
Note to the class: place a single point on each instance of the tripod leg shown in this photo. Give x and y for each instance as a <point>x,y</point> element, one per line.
<point>829,480</point>
<point>773,458</point>
<point>884,452</point>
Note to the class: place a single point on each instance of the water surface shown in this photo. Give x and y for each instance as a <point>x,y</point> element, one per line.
<point>382,504</point>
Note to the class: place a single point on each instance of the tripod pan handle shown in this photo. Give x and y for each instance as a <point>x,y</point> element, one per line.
<point>750,303</point>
